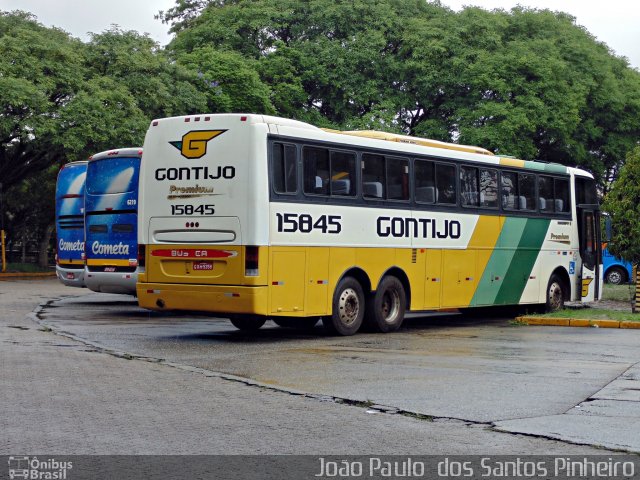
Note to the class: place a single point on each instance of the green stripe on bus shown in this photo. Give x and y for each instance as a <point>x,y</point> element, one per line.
<point>522,263</point>
<point>545,167</point>
<point>555,168</point>
<point>498,264</point>
<point>534,165</point>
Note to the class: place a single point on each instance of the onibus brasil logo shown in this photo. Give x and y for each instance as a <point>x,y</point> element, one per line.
<point>194,143</point>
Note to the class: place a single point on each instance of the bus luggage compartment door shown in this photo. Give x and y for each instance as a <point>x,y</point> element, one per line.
<point>287,282</point>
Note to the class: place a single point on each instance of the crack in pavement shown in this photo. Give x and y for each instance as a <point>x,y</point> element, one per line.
<point>38,316</point>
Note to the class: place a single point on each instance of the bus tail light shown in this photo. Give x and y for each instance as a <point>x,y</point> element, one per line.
<point>141,252</point>
<point>251,262</point>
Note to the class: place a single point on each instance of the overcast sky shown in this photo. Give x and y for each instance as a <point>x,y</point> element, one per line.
<point>614,22</point>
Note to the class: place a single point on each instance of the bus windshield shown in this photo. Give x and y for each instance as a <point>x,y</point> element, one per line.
<point>113,175</point>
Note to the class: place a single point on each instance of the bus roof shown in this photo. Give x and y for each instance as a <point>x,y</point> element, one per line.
<point>383,136</point>
<point>118,152</point>
<point>426,142</point>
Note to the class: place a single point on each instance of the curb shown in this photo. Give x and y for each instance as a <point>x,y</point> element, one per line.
<point>27,275</point>
<point>577,322</point>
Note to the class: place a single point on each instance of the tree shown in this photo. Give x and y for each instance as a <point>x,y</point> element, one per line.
<point>525,82</point>
<point>229,80</point>
<point>30,210</point>
<point>622,203</point>
<point>41,70</point>
<point>158,86</point>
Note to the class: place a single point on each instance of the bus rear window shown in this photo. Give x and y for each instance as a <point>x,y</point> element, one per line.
<point>98,228</point>
<point>112,175</point>
<point>122,228</point>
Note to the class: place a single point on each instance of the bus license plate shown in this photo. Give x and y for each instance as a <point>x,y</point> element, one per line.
<point>203,265</point>
<point>70,276</point>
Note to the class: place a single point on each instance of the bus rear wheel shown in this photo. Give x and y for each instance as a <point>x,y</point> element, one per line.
<point>249,323</point>
<point>348,308</point>
<point>556,294</point>
<point>386,307</point>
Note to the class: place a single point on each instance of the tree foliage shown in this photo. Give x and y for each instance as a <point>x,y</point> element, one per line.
<point>525,82</point>
<point>622,203</point>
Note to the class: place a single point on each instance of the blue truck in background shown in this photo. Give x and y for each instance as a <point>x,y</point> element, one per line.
<point>616,270</point>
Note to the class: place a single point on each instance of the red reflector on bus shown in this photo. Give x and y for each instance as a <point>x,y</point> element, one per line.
<point>251,257</point>
<point>141,252</point>
<point>243,119</point>
<point>155,123</point>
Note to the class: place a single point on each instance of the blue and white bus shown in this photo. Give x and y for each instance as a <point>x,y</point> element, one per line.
<point>70,197</point>
<point>111,221</point>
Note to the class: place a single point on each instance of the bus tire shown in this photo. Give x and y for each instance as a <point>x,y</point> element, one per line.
<point>249,323</point>
<point>386,306</point>
<point>347,308</point>
<point>300,323</point>
<point>556,294</point>
<point>616,276</point>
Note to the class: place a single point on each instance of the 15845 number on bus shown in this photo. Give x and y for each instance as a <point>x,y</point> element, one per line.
<point>305,223</point>
<point>192,210</point>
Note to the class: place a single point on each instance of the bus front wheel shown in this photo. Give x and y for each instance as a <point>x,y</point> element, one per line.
<point>249,323</point>
<point>616,276</point>
<point>556,294</point>
<point>386,307</point>
<point>348,308</point>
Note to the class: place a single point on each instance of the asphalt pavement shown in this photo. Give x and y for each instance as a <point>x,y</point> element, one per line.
<point>93,373</point>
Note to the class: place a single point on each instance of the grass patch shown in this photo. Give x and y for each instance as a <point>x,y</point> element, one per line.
<point>594,314</point>
<point>620,293</point>
<point>27,268</point>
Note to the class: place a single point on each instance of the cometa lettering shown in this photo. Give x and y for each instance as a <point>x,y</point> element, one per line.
<point>418,228</point>
<point>195,173</point>
<point>77,246</point>
<point>109,249</point>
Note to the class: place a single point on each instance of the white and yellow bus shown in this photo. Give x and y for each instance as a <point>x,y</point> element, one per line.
<point>254,217</point>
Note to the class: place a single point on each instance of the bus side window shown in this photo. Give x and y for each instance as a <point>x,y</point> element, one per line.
<point>561,188</point>
<point>398,178</point>
<point>425,181</point>
<point>488,188</point>
<point>315,170</point>
<point>527,191</point>
<point>446,184</point>
<point>343,174</point>
<point>373,178</point>
<point>469,187</point>
<point>509,190</point>
<point>545,194</point>
<point>285,169</point>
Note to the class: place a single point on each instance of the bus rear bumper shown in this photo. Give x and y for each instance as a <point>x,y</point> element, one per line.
<point>71,277</point>
<point>220,299</point>
<point>111,282</point>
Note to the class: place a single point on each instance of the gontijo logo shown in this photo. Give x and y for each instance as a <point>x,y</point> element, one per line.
<point>194,143</point>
